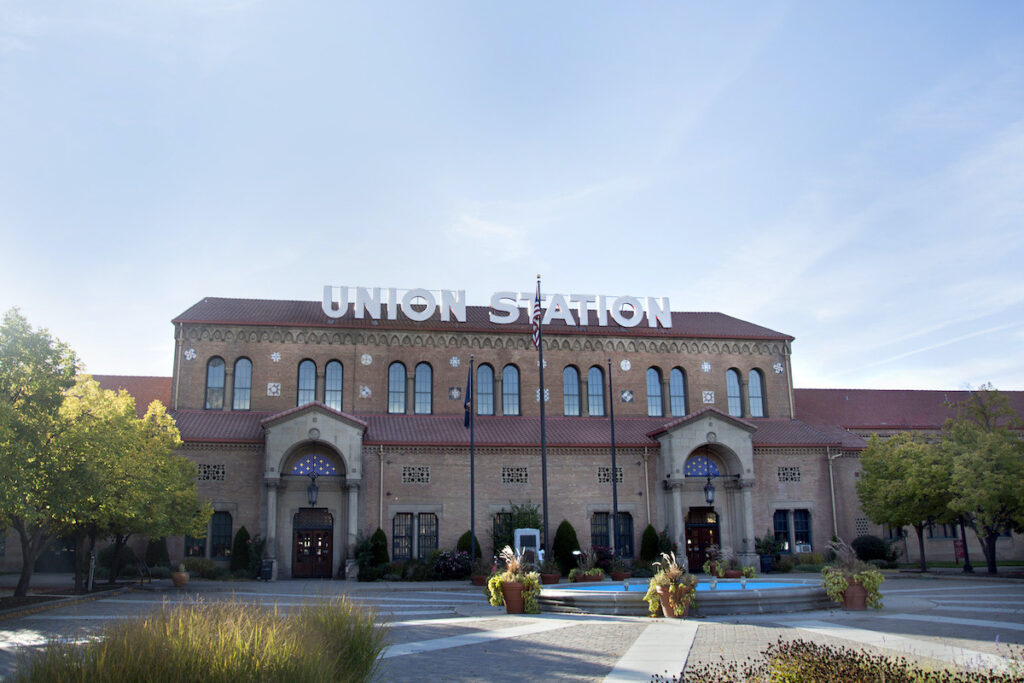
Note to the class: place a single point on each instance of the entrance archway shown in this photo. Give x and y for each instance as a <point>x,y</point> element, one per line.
<point>312,546</point>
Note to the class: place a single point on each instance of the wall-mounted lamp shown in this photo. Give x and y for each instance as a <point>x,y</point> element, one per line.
<point>312,490</point>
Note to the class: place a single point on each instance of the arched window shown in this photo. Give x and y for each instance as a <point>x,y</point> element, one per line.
<point>510,390</point>
<point>424,388</point>
<point>595,391</point>
<point>396,388</point>
<point>570,391</point>
<point>307,383</point>
<point>484,390</point>
<point>242,393</point>
<point>701,466</point>
<point>732,386</point>
<point>677,392</point>
<point>755,393</point>
<point>334,375</point>
<point>654,392</point>
<point>215,384</point>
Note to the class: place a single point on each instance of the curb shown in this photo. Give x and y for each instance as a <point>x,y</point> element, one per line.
<point>60,602</point>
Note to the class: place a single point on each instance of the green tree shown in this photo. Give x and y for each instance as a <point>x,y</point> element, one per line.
<point>35,370</point>
<point>905,482</point>
<point>988,467</point>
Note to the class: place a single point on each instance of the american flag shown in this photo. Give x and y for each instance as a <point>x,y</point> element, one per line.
<point>535,318</point>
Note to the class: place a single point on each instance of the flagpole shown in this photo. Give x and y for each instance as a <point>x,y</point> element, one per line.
<point>543,427</point>
<point>615,478</point>
<point>472,462</point>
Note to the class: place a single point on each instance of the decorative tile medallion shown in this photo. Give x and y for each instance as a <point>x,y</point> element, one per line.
<point>626,396</point>
<point>273,388</point>
<point>454,361</point>
<point>547,395</point>
<point>705,366</point>
<point>709,396</point>
<point>366,359</point>
<point>625,365</point>
<point>778,368</point>
<point>364,391</point>
<point>276,357</point>
<point>454,393</point>
<point>190,354</point>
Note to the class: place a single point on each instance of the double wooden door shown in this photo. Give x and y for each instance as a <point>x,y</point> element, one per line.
<point>312,552</point>
<point>701,533</point>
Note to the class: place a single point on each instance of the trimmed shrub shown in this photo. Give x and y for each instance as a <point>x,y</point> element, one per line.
<point>463,545</point>
<point>870,548</point>
<point>810,558</point>
<point>240,551</point>
<point>379,546</point>
<point>565,542</point>
<point>665,543</point>
<point>200,566</point>
<point>156,553</point>
<point>649,544</point>
<point>784,564</point>
<point>448,565</point>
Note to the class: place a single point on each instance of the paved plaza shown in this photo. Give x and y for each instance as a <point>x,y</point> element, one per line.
<point>447,631</point>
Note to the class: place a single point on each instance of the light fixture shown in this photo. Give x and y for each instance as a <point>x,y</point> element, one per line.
<point>312,489</point>
<point>709,492</point>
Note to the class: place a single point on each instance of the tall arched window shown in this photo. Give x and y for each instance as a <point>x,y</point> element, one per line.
<point>654,408</point>
<point>510,390</point>
<point>215,384</point>
<point>595,391</point>
<point>242,393</point>
<point>334,376</point>
<point>732,386</point>
<point>484,390</point>
<point>396,388</point>
<point>755,393</point>
<point>677,392</point>
<point>570,391</point>
<point>307,383</point>
<point>424,388</point>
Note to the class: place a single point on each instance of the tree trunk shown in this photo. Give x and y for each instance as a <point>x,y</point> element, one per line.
<point>988,546</point>
<point>80,558</point>
<point>115,560</point>
<point>919,528</point>
<point>31,545</point>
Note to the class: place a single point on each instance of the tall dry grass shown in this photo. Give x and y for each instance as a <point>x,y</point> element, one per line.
<point>331,640</point>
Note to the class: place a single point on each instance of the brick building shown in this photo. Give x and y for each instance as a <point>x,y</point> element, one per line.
<point>266,393</point>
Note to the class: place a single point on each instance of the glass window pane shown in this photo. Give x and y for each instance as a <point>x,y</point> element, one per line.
<point>333,376</point>
<point>732,385</point>
<point>780,521</point>
<point>424,387</point>
<point>595,391</point>
<point>624,535</point>
<point>427,535</point>
<point>571,391</point>
<point>307,383</point>
<point>754,391</point>
<point>396,388</point>
<point>599,529</point>
<point>654,392</point>
<point>215,384</point>
<point>220,534</point>
<point>677,392</point>
<point>401,536</point>
<point>484,390</point>
<point>510,390</point>
<point>242,392</point>
<point>801,526</point>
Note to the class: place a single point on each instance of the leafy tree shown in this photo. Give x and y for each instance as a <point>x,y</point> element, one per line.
<point>35,370</point>
<point>988,467</point>
<point>905,482</point>
<point>565,542</point>
<point>521,516</point>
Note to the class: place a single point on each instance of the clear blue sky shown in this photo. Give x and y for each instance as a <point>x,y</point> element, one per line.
<point>850,173</point>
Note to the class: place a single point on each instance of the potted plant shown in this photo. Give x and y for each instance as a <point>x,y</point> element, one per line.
<point>513,586</point>
<point>767,547</point>
<point>180,577</point>
<point>481,570</point>
<point>850,581</point>
<point>749,573</point>
<point>618,569</point>
<point>587,569</point>
<point>671,588</point>
<point>715,564</point>
<point>550,572</point>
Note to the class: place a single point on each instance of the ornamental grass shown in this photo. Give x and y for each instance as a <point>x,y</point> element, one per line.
<point>332,640</point>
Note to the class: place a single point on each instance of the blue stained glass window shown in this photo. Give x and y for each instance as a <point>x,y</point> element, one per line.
<point>315,463</point>
<point>700,466</point>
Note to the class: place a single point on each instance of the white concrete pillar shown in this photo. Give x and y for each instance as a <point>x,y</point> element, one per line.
<point>270,525</point>
<point>353,517</point>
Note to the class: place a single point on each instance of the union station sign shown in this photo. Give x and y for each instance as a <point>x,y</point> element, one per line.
<point>378,303</point>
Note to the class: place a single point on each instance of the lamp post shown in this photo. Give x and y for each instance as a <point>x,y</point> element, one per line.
<point>312,490</point>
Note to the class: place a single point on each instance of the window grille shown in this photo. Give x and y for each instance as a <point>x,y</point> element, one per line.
<point>789,473</point>
<point>427,534</point>
<point>205,472</point>
<point>515,475</point>
<point>415,474</point>
<point>861,526</point>
<point>401,536</point>
<point>604,475</point>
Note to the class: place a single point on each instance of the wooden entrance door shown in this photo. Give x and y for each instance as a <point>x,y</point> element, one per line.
<point>312,552</point>
<point>701,532</point>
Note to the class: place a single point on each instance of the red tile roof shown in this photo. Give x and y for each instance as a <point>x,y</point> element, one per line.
<point>218,426</point>
<point>313,404</point>
<point>214,310</point>
<point>883,409</point>
<point>144,389</point>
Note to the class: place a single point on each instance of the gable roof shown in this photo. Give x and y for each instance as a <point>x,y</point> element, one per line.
<point>224,311</point>
<point>144,389</point>
<point>313,405</point>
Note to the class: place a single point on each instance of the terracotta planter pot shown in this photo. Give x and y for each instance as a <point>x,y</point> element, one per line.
<point>666,606</point>
<point>179,579</point>
<point>549,579</point>
<point>620,576</point>
<point>855,597</point>
<point>733,573</point>
<point>478,579</point>
<point>512,594</point>
<point>591,578</point>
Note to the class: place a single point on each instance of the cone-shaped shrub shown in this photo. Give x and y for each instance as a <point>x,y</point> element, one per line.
<point>463,545</point>
<point>649,545</point>
<point>240,550</point>
<point>565,542</point>
<point>379,541</point>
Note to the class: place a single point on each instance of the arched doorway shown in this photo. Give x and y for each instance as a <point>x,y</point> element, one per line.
<point>701,533</point>
<point>312,546</point>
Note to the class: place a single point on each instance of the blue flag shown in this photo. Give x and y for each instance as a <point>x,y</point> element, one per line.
<point>469,395</point>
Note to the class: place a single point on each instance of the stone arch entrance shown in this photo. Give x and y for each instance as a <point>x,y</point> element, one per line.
<point>312,544</point>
